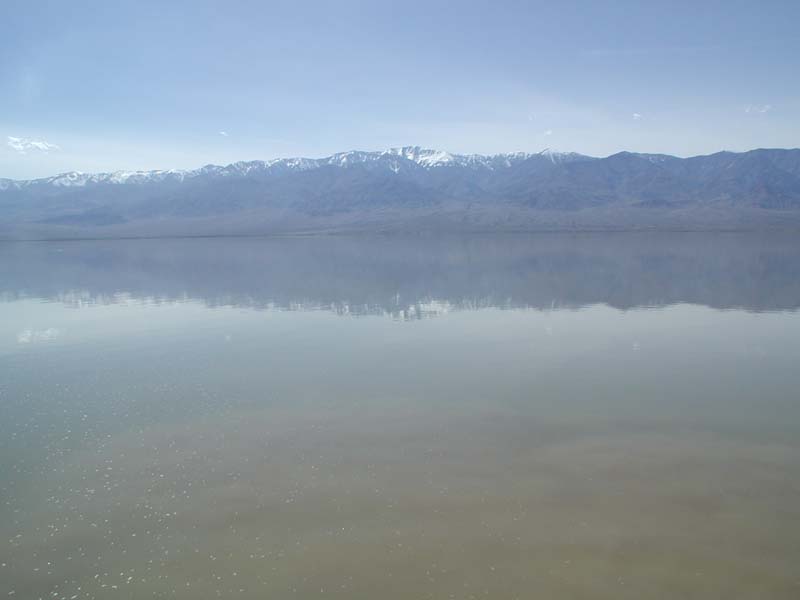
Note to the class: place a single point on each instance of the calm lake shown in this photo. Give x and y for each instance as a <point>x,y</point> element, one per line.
<point>545,416</point>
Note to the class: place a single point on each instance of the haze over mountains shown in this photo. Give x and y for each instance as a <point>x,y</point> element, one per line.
<point>414,189</point>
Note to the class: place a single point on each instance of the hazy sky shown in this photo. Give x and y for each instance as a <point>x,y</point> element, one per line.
<point>140,85</point>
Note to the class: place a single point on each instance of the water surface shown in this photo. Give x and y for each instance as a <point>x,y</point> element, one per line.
<point>587,416</point>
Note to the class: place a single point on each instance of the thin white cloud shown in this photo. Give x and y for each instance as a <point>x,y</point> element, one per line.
<point>548,133</point>
<point>637,116</point>
<point>758,108</point>
<point>25,145</point>
<point>223,133</point>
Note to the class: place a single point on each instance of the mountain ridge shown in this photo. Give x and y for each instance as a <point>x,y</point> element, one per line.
<point>416,189</point>
<point>424,157</point>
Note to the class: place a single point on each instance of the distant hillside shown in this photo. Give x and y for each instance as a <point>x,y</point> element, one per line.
<point>414,189</point>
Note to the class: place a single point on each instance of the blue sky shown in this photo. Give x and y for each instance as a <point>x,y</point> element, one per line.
<point>142,85</point>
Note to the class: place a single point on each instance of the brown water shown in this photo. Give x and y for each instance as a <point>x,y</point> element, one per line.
<point>547,417</point>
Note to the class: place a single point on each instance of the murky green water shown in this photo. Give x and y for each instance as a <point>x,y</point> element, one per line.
<point>515,417</point>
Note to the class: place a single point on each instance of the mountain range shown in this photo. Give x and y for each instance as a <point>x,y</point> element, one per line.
<point>413,189</point>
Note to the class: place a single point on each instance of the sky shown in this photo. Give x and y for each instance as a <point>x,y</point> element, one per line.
<point>106,86</point>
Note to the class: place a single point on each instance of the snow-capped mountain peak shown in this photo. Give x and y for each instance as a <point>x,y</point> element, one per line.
<point>557,157</point>
<point>72,178</point>
<point>425,157</point>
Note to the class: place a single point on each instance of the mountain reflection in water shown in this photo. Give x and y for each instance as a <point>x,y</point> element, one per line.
<point>408,277</point>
